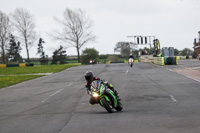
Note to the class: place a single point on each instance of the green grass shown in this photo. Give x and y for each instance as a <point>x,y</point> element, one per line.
<point>6,81</point>
<point>9,76</point>
<point>49,62</point>
<point>35,69</point>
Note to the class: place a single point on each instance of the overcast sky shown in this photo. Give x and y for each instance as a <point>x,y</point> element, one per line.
<point>174,22</point>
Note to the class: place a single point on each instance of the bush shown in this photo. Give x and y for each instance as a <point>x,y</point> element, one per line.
<point>113,58</point>
<point>103,56</point>
<point>90,54</point>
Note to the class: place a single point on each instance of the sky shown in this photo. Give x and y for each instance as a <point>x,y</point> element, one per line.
<point>174,22</point>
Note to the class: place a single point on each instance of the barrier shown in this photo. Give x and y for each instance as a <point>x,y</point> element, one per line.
<point>29,64</point>
<point>182,57</point>
<point>12,65</point>
<point>159,61</point>
<point>178,58</point>
<point>15,65</point>
<point>117,62</point>
<point>147,58</point>
<point>22,65</point>
<point>2,65</point>
<point>170,61</point>
<point>134,61</point>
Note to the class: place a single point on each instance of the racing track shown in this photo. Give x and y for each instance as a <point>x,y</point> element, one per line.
<point>155,100</point>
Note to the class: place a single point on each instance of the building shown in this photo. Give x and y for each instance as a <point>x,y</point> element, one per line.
<point>197,48</point>
<point>197,45</point>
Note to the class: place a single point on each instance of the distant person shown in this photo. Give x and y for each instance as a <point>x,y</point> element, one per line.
<point>159,55</point>
<point>131,59</point>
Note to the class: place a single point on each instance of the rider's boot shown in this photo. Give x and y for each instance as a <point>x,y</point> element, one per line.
<point>115,92</point>
<point>117,95</point>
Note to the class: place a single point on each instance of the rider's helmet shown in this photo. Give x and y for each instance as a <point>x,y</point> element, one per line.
<point>89,76</point>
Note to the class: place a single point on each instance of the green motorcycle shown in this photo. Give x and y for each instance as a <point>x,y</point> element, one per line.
<point>101,94</point>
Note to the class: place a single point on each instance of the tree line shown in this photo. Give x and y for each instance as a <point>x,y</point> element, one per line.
<point>125,49</point>
<point>18,30</point>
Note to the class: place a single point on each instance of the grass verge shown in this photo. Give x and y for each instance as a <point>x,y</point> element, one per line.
<point>6,81</point>
<point>9,75</point>
<point>35,69</point>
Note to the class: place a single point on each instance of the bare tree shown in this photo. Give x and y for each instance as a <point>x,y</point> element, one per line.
<point>76,29</point>
<point>24,23</point>
<point>4,34</point>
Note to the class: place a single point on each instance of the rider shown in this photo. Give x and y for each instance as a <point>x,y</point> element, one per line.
<point>89,77</point>
<point>131,59</point>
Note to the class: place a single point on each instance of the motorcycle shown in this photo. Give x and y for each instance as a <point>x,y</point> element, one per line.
<point>131,64</point>
<point>101,94</point>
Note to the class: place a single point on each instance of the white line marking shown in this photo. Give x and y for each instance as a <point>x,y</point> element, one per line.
<point>196,68</point>
<point>169,69</point>
<point>172,97</point>
<point>127,71</point>
<point>56,92</point>
<point>182,66</point>
<point>70,84</point>
<point>193,79</point>
<point>45,100</point>
<point>78,79</point>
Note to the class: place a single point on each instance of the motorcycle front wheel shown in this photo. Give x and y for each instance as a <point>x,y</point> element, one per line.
<point>107,105</point>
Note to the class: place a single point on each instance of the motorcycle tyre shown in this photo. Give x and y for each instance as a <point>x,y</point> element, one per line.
<point>106,105</point>
<point>119,107</point>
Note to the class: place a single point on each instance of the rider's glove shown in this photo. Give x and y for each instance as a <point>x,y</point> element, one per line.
<point>104,82</point>
<point>89,92</point>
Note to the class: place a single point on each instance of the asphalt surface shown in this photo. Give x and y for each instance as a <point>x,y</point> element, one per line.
<point>193,64</point>
<point>189,68</point>
<point>155,100</point>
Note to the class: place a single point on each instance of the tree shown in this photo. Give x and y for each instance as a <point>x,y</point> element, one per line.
<point>135,53</point>
<point>59,55</point>
<point>186,52</point>
<point>124,48</point>
<point>90,54</point>
<point>13,52</point>
<point>176,52</point>
<point>76,29</point>
<point>145,51</point>
<point>43,57</point>
<point>4,34</point>
<point>113,58</point>
<point>24,23</point>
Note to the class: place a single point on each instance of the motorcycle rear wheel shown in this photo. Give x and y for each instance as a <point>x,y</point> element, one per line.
<point>119,107</point>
